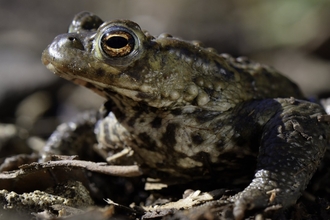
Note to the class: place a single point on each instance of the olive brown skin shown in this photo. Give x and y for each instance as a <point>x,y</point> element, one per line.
<point>190,113</point>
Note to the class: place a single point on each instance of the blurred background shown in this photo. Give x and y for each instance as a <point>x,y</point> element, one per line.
<point>293,36</point>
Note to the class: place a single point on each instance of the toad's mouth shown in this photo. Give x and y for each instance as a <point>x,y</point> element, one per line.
<point>102,89</point>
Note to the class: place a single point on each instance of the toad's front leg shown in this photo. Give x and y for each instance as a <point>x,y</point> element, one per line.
<point>90,135</point>
<point>73,138</point>
<point>292,145</point>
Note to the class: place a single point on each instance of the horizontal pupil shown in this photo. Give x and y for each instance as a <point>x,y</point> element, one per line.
<point>117,42</point>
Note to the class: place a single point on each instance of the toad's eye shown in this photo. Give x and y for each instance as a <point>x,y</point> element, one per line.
<point>117,43</point>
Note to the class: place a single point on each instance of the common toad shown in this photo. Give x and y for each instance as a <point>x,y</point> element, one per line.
<point>190,113</point>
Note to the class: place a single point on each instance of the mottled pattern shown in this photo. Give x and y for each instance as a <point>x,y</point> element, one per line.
<point>190,113</point>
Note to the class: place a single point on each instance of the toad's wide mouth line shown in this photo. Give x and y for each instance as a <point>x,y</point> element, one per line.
<point>98,87</point>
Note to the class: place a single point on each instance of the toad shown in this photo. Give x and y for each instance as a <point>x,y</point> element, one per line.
<point>190,113</point>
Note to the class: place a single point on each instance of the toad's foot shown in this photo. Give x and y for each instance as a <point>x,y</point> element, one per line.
<point>264,192</point>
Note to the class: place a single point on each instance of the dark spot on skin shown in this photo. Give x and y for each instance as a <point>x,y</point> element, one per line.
<point>139,70</point>
<point>197,139</point>
<point>143,95</point>
<point>132,121</point>
<point>100,72</point>
<point>143,107</point>
<point>109,93</point>
<point>149,143</point>
<point>202,157</point>
<point>209,91</point>
<point>137,108</point>
<point>168,138</point>
<point>153,109</point>
<point>184,52</point>
<point>224,71</point>
<point>205,116</point>
<point>157,122</point>
<point>177,111</point>
<point>120,115</point>
<point>205,159</point>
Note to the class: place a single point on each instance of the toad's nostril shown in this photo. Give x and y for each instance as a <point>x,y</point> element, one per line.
<point>74,42</point>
